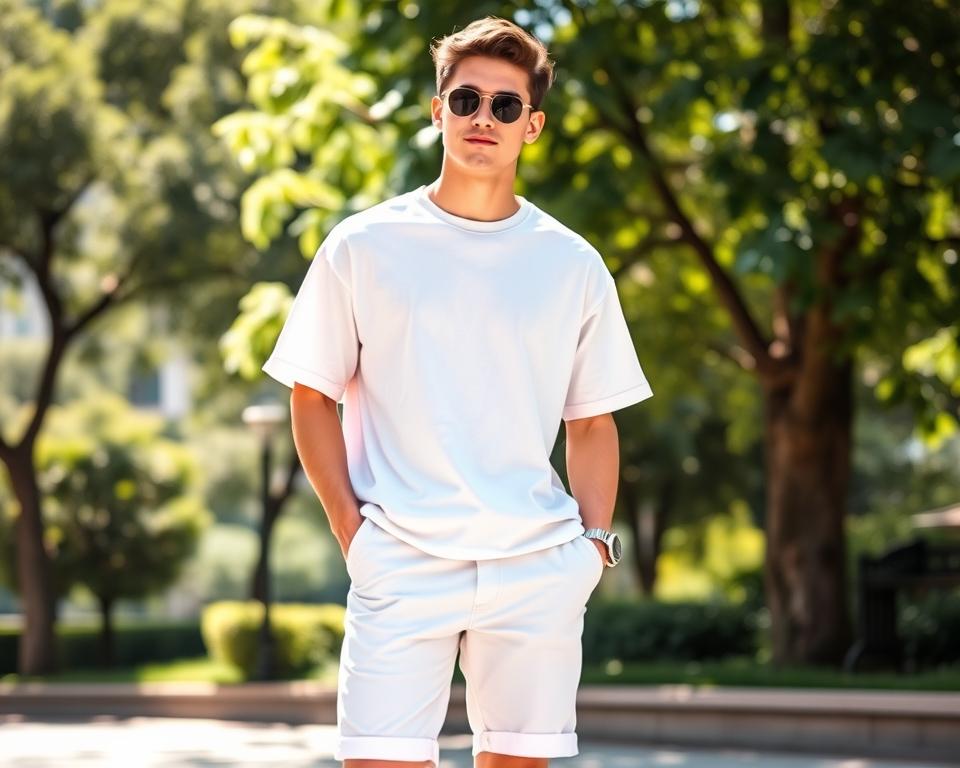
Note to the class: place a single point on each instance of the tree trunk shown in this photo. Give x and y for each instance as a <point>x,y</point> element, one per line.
<point>37,648</point>
<point>106,630</point>
<point>647,522</point>
<point>808,465</point>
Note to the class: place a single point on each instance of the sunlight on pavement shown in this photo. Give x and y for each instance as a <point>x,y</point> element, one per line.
<point>109,742</point>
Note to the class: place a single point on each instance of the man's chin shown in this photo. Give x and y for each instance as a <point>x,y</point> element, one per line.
<point>485,158</point>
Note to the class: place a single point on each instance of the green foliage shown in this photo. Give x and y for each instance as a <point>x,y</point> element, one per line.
<point>106,155</point>
<point>633,631</point>
<point>760,132</point>
<point>937,359</point>
<point>308,105</point>
<point>247,344</point>
<point>134,643</point>
<point>308,565</point>
<point>48,98</point>
<point>748,672</point>
<point>718,557</point>
<point>320,139</point>
<point>222,566</point>
<point>121,512</point>
<point>930,626</point>
<point>305,635</point>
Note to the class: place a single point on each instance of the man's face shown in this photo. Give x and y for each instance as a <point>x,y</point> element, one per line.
<point>488,76</point>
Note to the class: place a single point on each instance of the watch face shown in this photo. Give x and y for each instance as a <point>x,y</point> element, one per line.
<point>616,546</point>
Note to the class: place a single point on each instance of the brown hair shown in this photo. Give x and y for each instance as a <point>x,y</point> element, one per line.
<point>499,38</point>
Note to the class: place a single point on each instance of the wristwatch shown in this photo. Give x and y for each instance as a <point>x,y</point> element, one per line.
<point>612,541</point>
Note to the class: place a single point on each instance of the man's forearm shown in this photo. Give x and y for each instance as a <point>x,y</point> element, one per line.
<point>318,437</point>
<point>593,468</point>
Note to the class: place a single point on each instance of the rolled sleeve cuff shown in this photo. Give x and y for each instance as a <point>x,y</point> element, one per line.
<point>288,373</point>
<point>608,404</point>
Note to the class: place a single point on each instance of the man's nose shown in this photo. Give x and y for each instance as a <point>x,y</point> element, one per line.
<point>484,115</point>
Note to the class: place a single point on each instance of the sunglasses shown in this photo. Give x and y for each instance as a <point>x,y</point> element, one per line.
<point>505,107</point>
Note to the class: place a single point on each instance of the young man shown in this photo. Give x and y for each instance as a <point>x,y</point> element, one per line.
<point>459,323</point>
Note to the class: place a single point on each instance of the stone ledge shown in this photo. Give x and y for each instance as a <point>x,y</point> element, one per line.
<point>892,724</point>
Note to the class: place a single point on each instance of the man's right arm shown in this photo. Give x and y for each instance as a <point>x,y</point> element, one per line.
<point>318,437</point>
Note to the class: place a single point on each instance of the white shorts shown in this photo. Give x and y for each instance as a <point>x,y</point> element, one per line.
<point>517,623</point>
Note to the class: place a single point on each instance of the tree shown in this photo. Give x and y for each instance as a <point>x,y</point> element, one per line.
<point>121,511</point>
<point>109,194</point>
<point>821,150</point>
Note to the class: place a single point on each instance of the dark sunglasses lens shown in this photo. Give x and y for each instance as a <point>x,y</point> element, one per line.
<point>507,108</point>
<point>464,102</point>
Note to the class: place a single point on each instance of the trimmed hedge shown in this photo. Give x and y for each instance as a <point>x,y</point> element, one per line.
<point>305,636</point>
<point>641,631</point>
<point>140,643</point>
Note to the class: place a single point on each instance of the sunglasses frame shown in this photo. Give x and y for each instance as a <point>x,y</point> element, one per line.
<point>445,98</point>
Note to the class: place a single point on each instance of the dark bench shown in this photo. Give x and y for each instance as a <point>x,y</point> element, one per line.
<point>914,567</point>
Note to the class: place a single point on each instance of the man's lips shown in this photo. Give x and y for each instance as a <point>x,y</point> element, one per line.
<point>480,140</point>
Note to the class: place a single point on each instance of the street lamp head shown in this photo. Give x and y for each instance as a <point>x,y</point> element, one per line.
<point>264,419</point>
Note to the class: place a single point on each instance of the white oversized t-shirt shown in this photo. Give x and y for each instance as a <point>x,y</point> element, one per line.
<point>456,347</point>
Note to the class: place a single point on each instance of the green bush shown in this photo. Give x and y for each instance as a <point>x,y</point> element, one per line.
<point>647,629</point>
<point>133,644</point>
<point>309,635</point>
<point>930,628</point>
<point>305,636</point>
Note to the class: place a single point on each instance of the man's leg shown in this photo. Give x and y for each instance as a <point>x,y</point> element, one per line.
<point>405,612</point>
<point>521,656</point>
<point>494,760</point>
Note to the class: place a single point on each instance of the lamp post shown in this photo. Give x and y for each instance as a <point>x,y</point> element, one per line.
<point>264,420</point>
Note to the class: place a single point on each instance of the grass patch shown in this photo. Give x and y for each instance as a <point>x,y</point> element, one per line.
<point>199,670</point>
<point>748,673</point>
<point>190,670</point>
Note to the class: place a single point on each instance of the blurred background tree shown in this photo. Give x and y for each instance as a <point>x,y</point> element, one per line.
<point>120,504</point>
<point>112,191</point>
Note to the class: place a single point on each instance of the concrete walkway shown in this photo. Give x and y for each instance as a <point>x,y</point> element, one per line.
<point>908,726</point>
<point>144,742</point>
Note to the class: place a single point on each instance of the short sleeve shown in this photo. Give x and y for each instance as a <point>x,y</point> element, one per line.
<point>606,372</point>
<point>318,344</point>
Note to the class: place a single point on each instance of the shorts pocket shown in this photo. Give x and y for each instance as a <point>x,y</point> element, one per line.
<point>352,551</point>
<point>598,565</point>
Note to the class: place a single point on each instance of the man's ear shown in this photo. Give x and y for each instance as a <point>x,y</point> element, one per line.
<point>537,121</point>
<point>436,111</point>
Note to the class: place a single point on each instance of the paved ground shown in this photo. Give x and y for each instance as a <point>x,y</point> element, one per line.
<point>181,743</point>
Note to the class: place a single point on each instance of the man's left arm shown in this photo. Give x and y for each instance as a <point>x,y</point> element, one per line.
<point>593,470</point>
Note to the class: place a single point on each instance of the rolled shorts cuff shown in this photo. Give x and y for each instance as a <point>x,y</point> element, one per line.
<point>386,748</point>
<point>526,744</point>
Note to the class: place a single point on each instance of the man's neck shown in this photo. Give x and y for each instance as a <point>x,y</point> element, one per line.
<point>480,200</point>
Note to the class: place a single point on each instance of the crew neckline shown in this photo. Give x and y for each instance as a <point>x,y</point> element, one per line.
<point>473,225</point>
